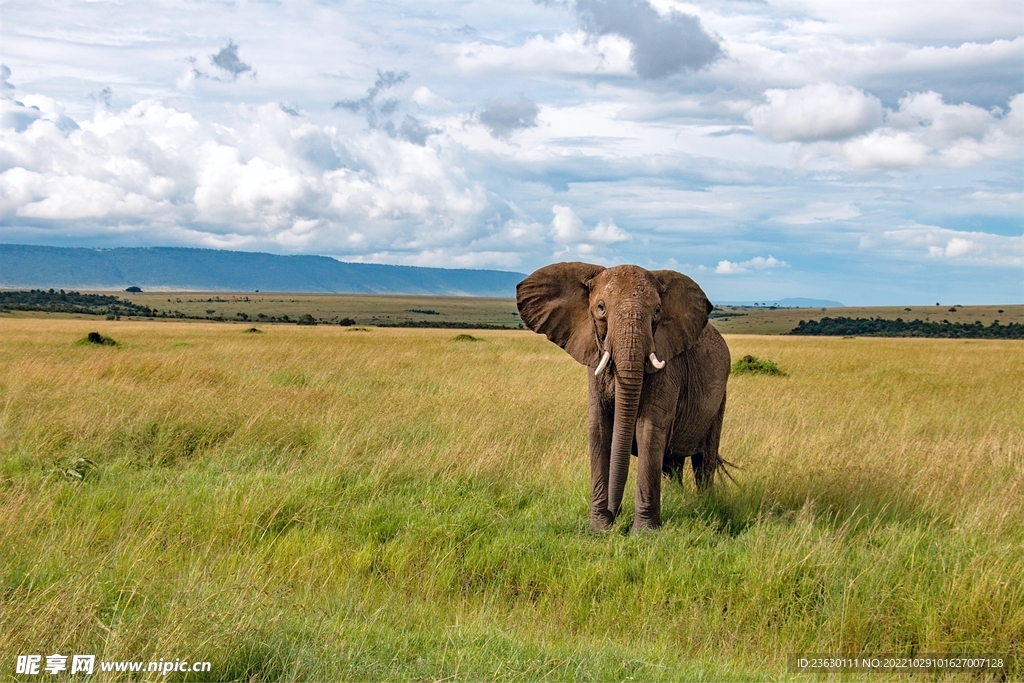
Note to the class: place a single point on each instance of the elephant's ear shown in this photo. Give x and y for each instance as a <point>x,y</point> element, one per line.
<point>684,313</point>
<point>555,301</point>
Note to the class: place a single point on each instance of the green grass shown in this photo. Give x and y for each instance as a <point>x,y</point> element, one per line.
<point>312,504</point>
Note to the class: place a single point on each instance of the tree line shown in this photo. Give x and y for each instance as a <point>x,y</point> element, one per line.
<point>70,302</point>
<point>880,327</point>
<point>111,306</point>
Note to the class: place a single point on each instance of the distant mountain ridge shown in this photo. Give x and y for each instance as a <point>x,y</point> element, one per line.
<point>186,269</point>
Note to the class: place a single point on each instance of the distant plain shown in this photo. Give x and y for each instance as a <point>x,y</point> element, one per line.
<point>381,309</point>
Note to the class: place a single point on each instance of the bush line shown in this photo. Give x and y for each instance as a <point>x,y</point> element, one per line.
<point>879,327</point>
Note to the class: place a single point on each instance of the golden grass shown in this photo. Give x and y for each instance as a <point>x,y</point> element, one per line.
<point>321,503</point>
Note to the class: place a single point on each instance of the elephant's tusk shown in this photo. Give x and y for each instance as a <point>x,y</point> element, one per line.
<point>658,364</point>
<point>604,362</point>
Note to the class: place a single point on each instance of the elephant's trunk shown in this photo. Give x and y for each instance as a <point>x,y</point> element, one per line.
<point>629,377</point>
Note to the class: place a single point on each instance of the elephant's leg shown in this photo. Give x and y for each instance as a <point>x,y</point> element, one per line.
<point>707,461</point>
<point>673,466</point>
<point>701,473</point>
<point>651,441</point>
<point>654,429</point>
<point>600,455</point>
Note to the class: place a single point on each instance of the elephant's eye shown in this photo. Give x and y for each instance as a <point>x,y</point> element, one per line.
<point>657,311</point>
<point>600,308</point>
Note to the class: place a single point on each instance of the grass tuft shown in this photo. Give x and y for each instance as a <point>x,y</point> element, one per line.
<point>752,365</point>
<point>466,338</point>
<point>253,330</point>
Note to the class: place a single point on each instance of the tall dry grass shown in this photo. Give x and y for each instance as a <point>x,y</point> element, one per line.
<point>321,503</point>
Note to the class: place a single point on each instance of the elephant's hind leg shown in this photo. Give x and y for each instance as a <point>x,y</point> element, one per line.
<point>707,461</point>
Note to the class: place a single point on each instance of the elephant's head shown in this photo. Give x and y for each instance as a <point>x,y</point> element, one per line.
<point>624,321</point>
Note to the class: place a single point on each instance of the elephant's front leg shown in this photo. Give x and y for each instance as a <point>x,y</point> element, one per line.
<point>600,455</point>
<point>653,428</point>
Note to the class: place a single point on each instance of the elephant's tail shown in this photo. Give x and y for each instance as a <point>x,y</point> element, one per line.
<point>724,466</point>
<point>711,461</point>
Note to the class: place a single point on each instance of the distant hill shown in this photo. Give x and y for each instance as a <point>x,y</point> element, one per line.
<point>182,269</point>
<point>793,302</point>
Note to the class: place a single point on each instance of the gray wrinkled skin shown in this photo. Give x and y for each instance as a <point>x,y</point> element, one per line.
<point>662,416</point>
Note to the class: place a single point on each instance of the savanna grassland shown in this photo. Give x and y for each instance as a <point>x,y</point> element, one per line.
<point>324,503</point>
<point>364,309</point>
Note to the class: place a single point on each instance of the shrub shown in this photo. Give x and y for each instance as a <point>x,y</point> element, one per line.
<point>306,319</point>
<point>97,338</point>
<point>466,338</point>
<point>346,322</point>
<point>752,365</point>
<point>254,330</point>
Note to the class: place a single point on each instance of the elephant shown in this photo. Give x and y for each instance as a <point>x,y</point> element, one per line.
<point>657,380</point>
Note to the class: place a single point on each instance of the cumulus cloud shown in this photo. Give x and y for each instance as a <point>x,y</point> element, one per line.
<point>824,111</point>
<point>886,149</point>
<point>922,129</point>
<point>757,263</point>
<point>568,231</point>
<point>662,44</point>
<point>270,180</point>
<point>20,114</point>
<point>964,247</point>
<point>505,118</point>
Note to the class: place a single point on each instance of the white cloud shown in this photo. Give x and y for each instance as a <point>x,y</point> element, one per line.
<point>606,232</point>
<point>269,179</point>
<point>757,263</point>
<point>972,248</point>
<point>918,20</point>
<point>922,130</point>
<point>566,226</point>
<point>425,97</point>
<point>824,111</point>
<point>926,130</point>
<point>568,231</point>
<point>886,149</point>
<point>569,53</point>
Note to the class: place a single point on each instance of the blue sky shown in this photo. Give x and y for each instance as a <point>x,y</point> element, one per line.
<point>868,152</point>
